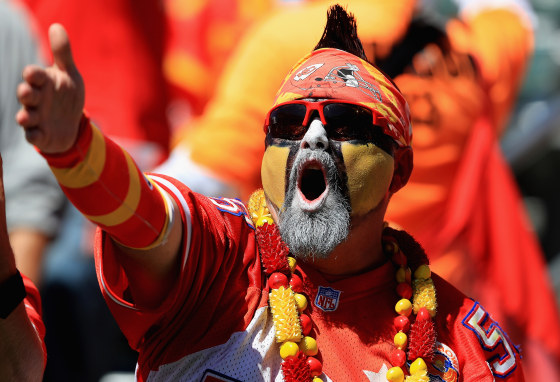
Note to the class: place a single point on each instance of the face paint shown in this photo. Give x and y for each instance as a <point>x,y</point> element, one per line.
<point>369,170</point>
<point>313,228</point>
<point>332,74</point>
<point>273,173</point>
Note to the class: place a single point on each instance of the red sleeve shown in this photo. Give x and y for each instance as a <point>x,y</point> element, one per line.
<point>219,264</point>
<point>104,183</point>
<point>34,311</point>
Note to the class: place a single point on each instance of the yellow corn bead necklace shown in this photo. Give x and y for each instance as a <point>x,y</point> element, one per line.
<point>292,326</point>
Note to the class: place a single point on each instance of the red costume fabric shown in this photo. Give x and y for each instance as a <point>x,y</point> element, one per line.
<point>34,311</point>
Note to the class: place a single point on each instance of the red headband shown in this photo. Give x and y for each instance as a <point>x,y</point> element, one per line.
<point>336,74</point>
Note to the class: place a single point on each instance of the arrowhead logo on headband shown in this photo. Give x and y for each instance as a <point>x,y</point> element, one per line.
<point>336,74</point>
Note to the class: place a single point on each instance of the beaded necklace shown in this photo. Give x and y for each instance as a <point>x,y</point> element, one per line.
<point>293,326</point>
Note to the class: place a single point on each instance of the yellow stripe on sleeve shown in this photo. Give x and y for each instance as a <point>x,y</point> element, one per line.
<point>170,215</point>
<point>87,171</point>
<point>128,205</point>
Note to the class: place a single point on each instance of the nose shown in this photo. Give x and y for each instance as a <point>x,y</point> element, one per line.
<point>316,136</point>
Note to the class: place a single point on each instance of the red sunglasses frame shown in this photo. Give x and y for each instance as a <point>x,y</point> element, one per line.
<point>310,106</point>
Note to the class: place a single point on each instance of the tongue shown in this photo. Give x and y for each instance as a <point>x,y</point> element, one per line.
<point>312,184</point>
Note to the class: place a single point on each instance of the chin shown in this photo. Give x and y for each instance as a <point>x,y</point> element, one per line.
<point>315,217</point>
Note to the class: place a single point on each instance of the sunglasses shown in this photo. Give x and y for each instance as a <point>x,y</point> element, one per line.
<point>343,120</point>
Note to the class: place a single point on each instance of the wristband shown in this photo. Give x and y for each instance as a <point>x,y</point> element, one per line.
<point>12,292</point>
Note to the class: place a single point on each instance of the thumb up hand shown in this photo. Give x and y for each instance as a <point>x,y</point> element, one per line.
<point>52,98</point>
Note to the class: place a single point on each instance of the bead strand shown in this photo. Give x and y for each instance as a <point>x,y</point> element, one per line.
<point>424,307</point>
<point>403,307</point>
<point>292,326</point>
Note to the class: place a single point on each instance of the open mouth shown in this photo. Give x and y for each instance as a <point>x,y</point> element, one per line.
<point>312,184</point>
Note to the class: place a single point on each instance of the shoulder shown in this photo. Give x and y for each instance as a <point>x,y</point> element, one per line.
<point>481,347</point>
<point>191,202</point>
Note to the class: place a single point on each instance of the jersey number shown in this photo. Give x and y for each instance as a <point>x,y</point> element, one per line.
<point>232,206</point>
<point>493,340</point>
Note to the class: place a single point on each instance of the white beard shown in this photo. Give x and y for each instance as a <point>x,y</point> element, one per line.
<point>315,234</point>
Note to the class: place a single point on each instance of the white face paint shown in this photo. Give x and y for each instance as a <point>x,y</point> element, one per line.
<point>314,139</point>
<point>316,136</point>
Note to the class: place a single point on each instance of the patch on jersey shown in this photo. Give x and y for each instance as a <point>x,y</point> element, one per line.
<point>445,367</point>
<point>214,376</point>
<point>233,207</point>
<point>327,299</point>
<point>500,352</point>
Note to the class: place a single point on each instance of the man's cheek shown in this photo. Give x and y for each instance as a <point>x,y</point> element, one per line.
<point>369,170</point>
<point>273,173</point>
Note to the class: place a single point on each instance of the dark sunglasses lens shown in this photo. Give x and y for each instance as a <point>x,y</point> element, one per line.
<point>348,122</point>
<point>286,121</point>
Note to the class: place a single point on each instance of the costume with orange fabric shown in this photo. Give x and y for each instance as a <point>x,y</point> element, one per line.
<point>461,199</point>
<point>200,38</point>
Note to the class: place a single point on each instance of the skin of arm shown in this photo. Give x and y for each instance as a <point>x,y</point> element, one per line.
<point>52,106</point>
<point>28,246</point>
<point>21,351</point>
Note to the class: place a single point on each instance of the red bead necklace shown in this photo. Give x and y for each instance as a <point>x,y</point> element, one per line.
<point>293,326</point>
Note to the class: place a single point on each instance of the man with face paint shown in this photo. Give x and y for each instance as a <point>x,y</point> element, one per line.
<point>338,174</point>
<point>208,291</point>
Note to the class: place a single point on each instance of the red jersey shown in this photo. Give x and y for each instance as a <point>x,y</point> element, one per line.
<point>215,324</point>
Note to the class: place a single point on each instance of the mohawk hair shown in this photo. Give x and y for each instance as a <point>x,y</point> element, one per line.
<point>341,33</point>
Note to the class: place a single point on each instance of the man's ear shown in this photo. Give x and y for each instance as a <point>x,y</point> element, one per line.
<point>403,168</point>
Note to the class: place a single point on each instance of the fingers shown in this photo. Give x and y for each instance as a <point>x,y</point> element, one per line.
<point>29,94</point>
<point>60,47</point>
<point>34,74</point>
<point>52,98</point>
<point>28,117</point>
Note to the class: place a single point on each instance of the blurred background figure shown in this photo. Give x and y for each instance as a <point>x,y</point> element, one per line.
<point>34,199</point>
<point>201,35</point>
<point>461,76</point>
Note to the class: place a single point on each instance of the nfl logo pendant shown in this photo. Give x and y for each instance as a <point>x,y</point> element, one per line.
<point>327,299</point>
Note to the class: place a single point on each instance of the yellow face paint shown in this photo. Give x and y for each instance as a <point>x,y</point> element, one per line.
<point>273,173</point>
<point>370,171</point>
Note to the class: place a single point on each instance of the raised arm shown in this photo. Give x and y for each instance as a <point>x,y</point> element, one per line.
<point>98,176</point>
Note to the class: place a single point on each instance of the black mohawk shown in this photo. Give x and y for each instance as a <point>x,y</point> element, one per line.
<point>341,33</point>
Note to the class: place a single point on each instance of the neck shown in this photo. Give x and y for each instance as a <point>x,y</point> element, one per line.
<point>361,252</point>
